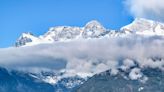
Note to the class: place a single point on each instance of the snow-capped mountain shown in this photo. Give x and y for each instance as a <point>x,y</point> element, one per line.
<point>92,29</point>
<point>142,26</point>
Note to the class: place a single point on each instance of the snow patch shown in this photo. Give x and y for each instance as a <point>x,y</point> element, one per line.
<point>135,74</point>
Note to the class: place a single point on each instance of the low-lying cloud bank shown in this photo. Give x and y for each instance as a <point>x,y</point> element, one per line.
<point>87,56</point>
<point>151,9</point>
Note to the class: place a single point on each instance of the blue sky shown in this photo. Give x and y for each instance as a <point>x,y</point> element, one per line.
<point>36,16</point>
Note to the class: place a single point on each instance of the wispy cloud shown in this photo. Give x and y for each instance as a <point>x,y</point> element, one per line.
<point>86,56</point>
<point>151,9</point>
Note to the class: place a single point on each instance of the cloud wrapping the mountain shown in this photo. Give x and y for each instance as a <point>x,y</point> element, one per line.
<point>86,56</point>
<point>151,9</point>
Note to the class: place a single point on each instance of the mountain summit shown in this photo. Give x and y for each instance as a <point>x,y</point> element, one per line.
<point>93,29</point>
<point>145,27</point>
<point>25,38</point>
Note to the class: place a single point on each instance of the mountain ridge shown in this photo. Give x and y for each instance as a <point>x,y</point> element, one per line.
<point>92,29</point>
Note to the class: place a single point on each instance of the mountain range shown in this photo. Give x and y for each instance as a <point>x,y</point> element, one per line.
<point>92,29</point>
<point>130,75</point>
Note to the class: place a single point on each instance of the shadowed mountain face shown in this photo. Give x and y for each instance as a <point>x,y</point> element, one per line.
<point>14,81</point>
<point>21,82</point>
<point>105,82</point>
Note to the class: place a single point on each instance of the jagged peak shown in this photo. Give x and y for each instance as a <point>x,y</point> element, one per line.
<point>26,37</point>
<point>60,29</point>
<point>57,28</point>
<point>26,34</point>
<point>93,23</point>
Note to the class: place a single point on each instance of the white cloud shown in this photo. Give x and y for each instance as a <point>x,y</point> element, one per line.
<point>151,9</point>
<point>86,56</point>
